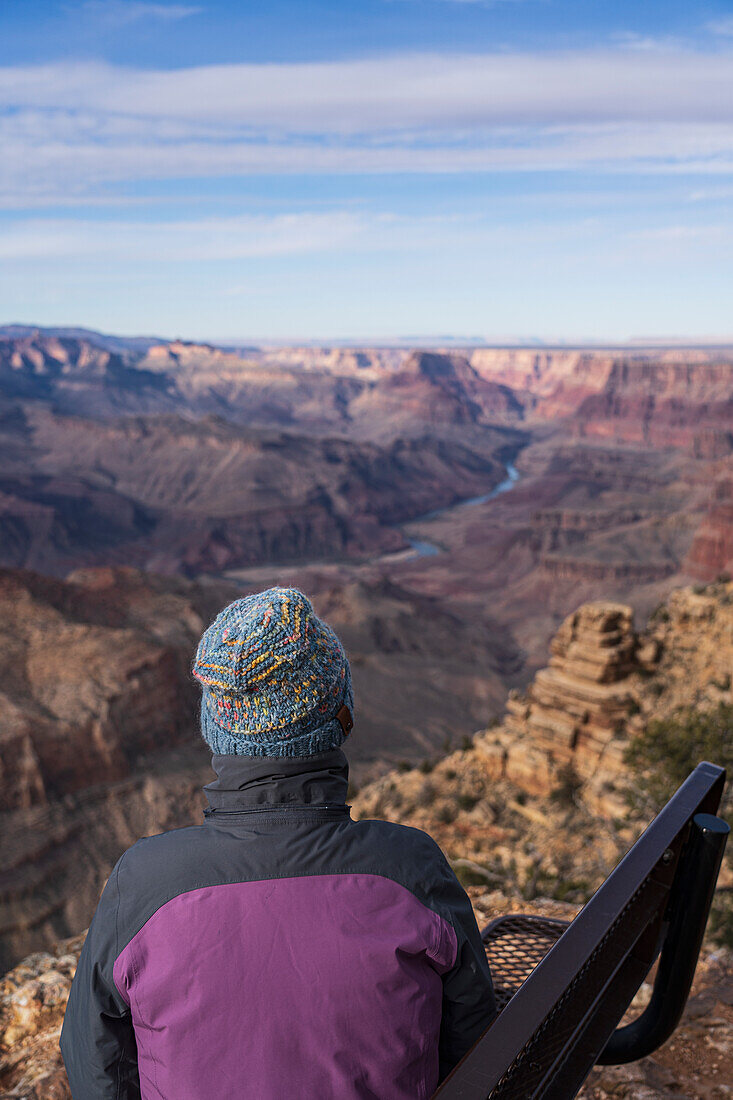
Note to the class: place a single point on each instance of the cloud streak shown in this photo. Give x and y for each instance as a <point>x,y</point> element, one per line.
<point>70,129</point>
<point>219,238</point>
<point>115,14</point>
<point>243,237</point>
<point>722,26</point>
<point>396,93</point>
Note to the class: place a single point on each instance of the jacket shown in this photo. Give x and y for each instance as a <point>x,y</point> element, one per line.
<point>278,949</point>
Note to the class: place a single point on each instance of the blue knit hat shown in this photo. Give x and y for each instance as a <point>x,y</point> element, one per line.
<point>276,679</point>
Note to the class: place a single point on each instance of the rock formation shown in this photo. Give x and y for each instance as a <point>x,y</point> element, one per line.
<point>712,550</point>
<point>574,714</point>
<point>664,403</point>
<point>565,738</point>
<point>663,398</point>
<point>94,674</point>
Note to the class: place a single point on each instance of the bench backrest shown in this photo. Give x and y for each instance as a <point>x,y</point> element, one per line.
<point>556,1026</point>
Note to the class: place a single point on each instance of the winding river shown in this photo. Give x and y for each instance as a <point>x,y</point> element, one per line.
<point>421,548</point>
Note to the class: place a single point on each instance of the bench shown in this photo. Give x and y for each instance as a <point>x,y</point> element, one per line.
<point>563,988</point>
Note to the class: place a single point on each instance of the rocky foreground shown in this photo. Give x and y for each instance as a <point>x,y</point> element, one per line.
<point>533,814</point>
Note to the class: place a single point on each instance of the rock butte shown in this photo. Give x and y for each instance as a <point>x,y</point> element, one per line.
<point>575,712</point>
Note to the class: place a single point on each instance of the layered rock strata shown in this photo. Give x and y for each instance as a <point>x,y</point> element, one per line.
<point>712,550</point>
<point>575,712</point>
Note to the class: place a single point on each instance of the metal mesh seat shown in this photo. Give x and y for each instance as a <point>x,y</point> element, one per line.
<point>514,946</point>
<point>563,989</point>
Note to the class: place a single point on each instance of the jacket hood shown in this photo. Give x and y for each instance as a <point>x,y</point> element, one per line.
<point>256,782</point>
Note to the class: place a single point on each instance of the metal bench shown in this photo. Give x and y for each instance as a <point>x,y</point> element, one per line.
<point>563,988</point>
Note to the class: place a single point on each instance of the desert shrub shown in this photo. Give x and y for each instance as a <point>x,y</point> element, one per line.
<point>720,924</point>
<point>669,748</point>
<point>576,891</point>
<point>426,795</point>
<point>449,773</point>
<point>466,742</point>
<point>404,766</point>
<point>446,814</point>
<point>566,791</point>
<point>469,873</point>
<point>660,614</point>
<point>467,801</point>
<point>427,766</point>
<point>664,755</point>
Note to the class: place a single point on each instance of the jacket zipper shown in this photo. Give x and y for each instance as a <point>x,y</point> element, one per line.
<point>323,807</point>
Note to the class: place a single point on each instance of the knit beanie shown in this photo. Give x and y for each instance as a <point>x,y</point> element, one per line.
<point>276,679</point>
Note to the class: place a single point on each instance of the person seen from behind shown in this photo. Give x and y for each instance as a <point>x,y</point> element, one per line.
<point>280,948</point>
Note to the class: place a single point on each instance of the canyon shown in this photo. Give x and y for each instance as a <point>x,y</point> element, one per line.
<point>455,514</point>
<point>145,482</point>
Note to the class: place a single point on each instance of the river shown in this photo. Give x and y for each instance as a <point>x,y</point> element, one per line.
<point>422,549</point>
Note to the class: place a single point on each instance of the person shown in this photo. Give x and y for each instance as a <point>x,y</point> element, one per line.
<point>280,948</point>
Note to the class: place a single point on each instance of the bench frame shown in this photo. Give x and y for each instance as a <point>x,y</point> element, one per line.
<point>563,1019</point>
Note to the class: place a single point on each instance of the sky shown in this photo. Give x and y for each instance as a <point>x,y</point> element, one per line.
<point>368,170</point>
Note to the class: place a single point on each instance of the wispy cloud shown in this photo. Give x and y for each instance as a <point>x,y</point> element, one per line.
<point>73,129</point>
<point>122,13</point>
<point>399,92</point>
<point>477,3</point>
<point>310,232</point>
<point>722,26</point>
<point>206,239</point>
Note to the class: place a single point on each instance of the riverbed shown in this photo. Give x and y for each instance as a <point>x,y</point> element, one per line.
<point>420,548</point>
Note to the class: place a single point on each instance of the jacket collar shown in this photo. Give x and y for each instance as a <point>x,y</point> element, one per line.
<point>261,782</point>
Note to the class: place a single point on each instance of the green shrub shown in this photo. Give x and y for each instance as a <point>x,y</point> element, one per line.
<point>426,795</point>
<point>669,748</point>
<point>664,755</point>
<point>566,791</point>
<point>720,924</point>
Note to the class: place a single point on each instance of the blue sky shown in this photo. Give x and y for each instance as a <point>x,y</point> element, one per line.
<point>505,169</point>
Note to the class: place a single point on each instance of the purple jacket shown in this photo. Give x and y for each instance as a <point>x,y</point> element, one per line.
<point>279,949</point>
